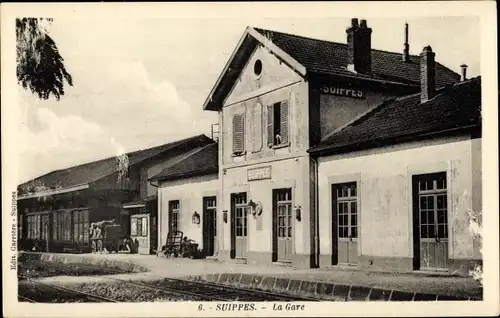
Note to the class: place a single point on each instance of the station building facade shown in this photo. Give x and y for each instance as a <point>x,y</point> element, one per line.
<point>283,98</point>
<point>188,193</point>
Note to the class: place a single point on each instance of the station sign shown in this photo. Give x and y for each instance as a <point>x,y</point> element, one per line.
<point>259,173</point>
<point>342,91</point>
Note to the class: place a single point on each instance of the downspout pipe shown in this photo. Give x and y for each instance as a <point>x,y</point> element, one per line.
<point>159,222</point>
<point>314,163</point>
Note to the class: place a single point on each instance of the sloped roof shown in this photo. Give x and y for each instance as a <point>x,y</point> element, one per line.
<point>93,171</point>
<point>454,107</point>
<point>203,162</point>
<point>141,201</point>
<point>331,58</point>
<point>320,57</point>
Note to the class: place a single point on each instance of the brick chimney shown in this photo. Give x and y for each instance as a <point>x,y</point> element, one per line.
<point>406,49</point>
<point>463,76</point>
<point>359,46</point>
<point>427,74</point>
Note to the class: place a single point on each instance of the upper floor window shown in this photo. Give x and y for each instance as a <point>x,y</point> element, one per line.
<point>238,134</point>
<point>277,124</point>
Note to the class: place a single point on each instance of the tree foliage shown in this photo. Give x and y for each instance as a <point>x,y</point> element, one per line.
<point>40,67</point>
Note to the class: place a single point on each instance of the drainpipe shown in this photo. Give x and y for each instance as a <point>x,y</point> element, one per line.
<point>158,222</point>
<point>314,163</point>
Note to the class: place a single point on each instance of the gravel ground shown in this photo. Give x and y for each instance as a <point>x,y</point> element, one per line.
<point>38,269</point>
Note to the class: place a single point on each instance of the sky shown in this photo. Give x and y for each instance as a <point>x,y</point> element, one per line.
<point>141,82</point>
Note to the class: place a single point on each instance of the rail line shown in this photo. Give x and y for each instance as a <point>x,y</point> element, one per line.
<point>26,299</point>
<point>178,287</point>
<point>66,292</point>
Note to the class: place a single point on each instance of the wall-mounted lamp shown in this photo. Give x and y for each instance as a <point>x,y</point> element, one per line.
<point>195,218</point>
<point>298,214</point>
<point>224,216</point>
<point>251,207</point>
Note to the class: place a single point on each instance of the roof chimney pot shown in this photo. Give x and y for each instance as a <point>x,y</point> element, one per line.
<point>359,47</point>
<point>406,50</point>
<point>427,74</point>
<point>463,77</point>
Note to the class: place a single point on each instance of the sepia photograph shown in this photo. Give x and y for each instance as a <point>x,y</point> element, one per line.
<point>246,159</point>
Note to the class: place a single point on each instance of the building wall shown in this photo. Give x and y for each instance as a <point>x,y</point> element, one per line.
<point>252,95</point>
<point>385,198</point>
<point>190,193</point>
<point>336,111</point>
<point>287,173</point>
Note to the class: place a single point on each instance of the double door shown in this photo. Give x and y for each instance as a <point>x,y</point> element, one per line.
<point>239,225</point>
<point>345,224</point>
<point>209,226</point>
<point>283,225</point>
<point>430,222</point>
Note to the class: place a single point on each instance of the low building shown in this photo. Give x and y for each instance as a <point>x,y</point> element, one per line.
<point>398,186</point>
<point>56,209</point>
<point>188,193</point>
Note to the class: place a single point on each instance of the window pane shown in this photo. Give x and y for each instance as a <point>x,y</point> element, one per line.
<point>441,231</point>
<point>422,185</point>
<point>423,203</point>
<point>431,230</point>
<point>346,231</point>
<point>344,191</point>
<point>145,227</point>
<point>133,226</point>
<point>354,220</point>
<point>354,232</point>
<point>423,217</point>
<point>354,207</point>
<point>442,216</point>
<point>353,191</point>
<point>75,232</point>
<point>423,231</point>
<point>430,202</point>
<point>441,202</point>
<point>430,217</point>
<point>441,183</point>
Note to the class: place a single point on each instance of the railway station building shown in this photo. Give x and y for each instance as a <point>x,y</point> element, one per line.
<point>329,154</point>
<point>337,154</point>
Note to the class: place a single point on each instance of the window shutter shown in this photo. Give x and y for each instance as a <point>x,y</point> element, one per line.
<point>238,133</point>
<point>284,122</point>
<point>270,124</point>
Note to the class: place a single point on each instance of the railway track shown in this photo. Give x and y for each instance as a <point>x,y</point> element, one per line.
<point>165,289</point>
<point>37,292</point>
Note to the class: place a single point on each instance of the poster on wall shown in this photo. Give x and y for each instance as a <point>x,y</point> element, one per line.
<point>258,223</point>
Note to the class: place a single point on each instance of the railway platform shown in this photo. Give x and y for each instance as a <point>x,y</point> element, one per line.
<point>343,283</point>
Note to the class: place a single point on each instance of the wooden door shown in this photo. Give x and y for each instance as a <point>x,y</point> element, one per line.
<point>345,224</point>
<point>209,226</point>
<point>284,223</point>
<point>239,224</point>
<point>431,207</point>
